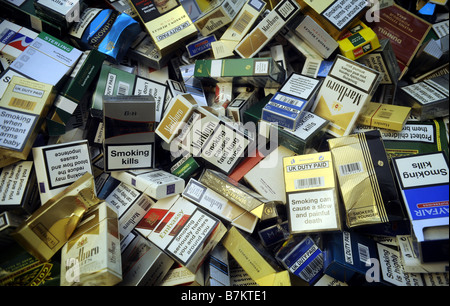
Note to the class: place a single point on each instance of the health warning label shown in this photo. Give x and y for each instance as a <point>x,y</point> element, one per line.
<point>66,164</point>
<point>312,210</point>
<point>192,236</point>
<point>15,128</point>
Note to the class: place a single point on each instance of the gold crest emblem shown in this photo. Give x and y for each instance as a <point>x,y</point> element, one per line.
<point>337,106</point>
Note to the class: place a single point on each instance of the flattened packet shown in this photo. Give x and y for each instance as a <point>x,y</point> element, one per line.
<point>52,224</point>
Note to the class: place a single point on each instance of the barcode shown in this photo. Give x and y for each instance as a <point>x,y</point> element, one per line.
<point>229,9</point>
<point>313,268</point>
<point>286,99</point>
<point>310,182</point>
<point>364,254</point>
<point>351,168</point>
<point>385,115</point>
<point>290,109</point>
<point>122,89</point>
<point>156,174</point>
<point>24,104</point>
<point>242,22</point>
<point>312,68</point>
<point>144,203</point>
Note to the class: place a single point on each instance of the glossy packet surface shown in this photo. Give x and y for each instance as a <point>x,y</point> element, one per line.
<point>106,30</point>
<point>51,225</point>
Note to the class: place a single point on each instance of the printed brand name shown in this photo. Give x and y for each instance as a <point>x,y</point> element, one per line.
<point>173,121</point>
<point>8,36</point>
<point>270,23</point>
<point>344,92</point>
<point>201,46</point>
<point>434,209</point>
<point>316,36</point>
<point>130,113</point>
<point>171,224</point>
<point>390,35</point>
<point>205,132</point>
<point>98,37</point>
<point>58,44</point>
<point>83,255</point>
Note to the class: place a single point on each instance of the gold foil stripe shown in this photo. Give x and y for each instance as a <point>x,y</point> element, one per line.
<point>371,174</point>
<point>438,135</point>
<point>228,190</point>
<point>373,178</point>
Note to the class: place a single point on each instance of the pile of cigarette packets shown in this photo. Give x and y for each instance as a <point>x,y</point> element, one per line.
<point>224,143</point>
